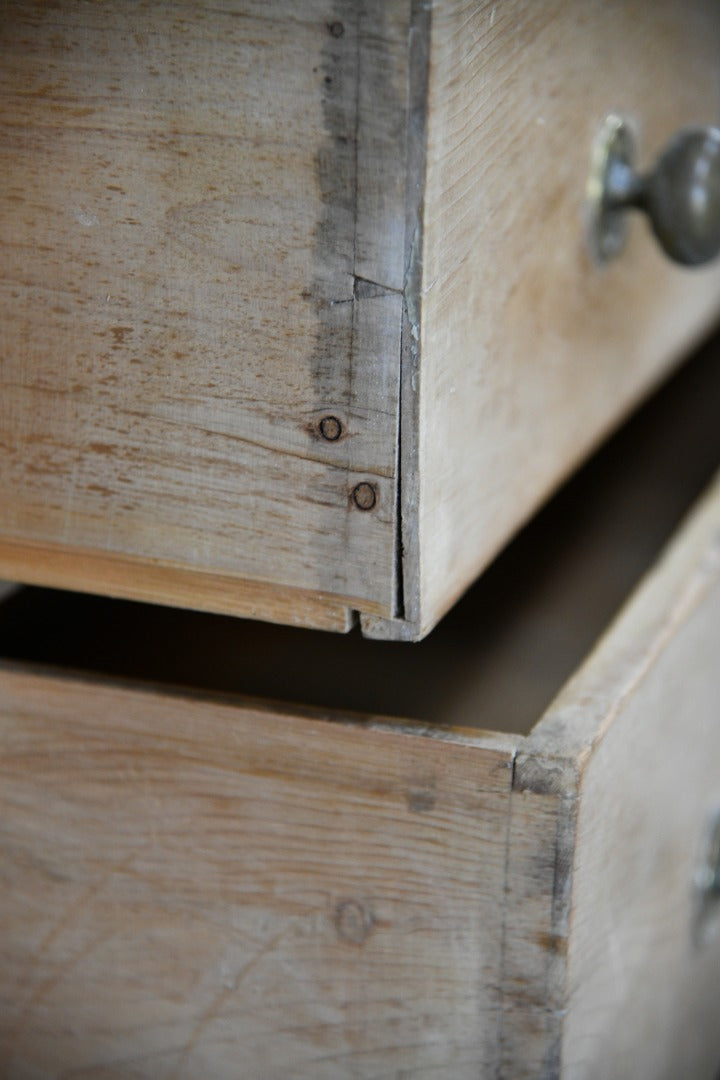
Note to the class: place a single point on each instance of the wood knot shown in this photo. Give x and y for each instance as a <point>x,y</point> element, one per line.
<point>353,921</point>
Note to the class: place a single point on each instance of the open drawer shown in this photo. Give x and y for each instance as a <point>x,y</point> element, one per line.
<point>298,318</point>
<point>200,884</point>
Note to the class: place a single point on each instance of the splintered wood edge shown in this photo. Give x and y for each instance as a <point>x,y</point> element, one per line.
<point>131,578</point>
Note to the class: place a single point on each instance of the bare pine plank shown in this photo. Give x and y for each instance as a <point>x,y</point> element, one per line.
<point>180,586</point>
<point>180,231</point>
<point>195,888</point>
<point>528,353</point>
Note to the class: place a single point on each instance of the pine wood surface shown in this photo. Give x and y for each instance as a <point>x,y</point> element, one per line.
<point>201,260</point>
<point>197,889</point>
<point>528,353</point>
<point>119,575</point>
<point>221,224</point>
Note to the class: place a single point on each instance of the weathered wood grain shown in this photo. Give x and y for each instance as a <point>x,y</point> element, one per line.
<point>192,888</point>
<point>123,576</point>
<point>202,257</point>
<point>528,353</point>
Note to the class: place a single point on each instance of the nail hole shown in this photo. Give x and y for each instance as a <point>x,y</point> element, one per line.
<point>364,496</point>
<point>330,428</point>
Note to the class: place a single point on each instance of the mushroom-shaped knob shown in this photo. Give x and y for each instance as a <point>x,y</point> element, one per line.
<point>681,195</point>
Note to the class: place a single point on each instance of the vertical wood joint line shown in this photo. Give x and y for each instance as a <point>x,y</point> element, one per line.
<point>418,89</point>
<point>504,923</point>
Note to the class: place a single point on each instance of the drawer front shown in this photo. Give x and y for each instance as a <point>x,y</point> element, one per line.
<point>195,889</point>
<point>529,352</point>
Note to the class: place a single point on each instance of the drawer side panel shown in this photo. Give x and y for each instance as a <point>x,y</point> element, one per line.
<point>197,889</point>
<point>202,232</point>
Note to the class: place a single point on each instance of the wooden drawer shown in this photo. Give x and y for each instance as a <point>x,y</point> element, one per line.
<point>297,316</point>
<point>196,884</point>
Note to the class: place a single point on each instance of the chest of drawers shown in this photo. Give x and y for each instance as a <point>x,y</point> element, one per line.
<point>299,323</point>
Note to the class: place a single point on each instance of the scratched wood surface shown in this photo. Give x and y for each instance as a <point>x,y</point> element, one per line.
<point>191,888</point>
<point>202,236</point>
<point>528,353</point>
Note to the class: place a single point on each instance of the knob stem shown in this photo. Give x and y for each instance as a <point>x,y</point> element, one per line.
<point>624,188</point>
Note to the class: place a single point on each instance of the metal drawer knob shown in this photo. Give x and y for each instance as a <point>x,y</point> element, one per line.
<point>707,884</point>
<point>681,195</point>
